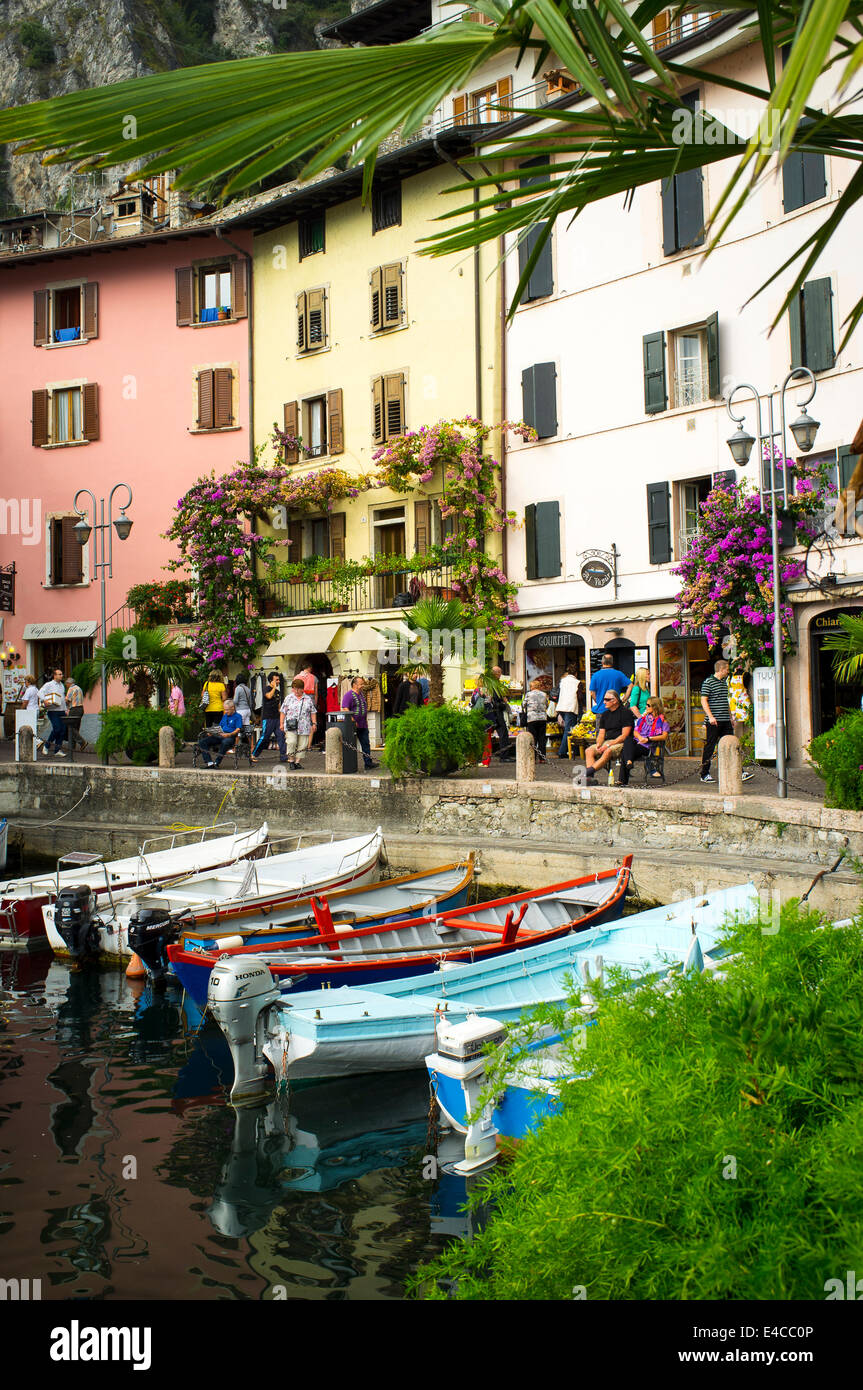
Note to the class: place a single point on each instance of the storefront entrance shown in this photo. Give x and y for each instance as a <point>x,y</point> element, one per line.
<point>547,656</point>
<point>684,663</point>
<point>830,698</point>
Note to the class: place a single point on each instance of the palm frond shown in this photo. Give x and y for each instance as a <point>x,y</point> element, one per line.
<point>848,646</point>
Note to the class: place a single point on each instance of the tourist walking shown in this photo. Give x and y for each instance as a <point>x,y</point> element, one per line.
<point>717,712</point>
<point>355,702</point>
<point>213,698</point>
<point>606,678</point>
<point>52,698</point>
<point>74,714</point>
<point>536,717</point>
<point>409,694</point>
<point>270,716</point>
<point>567,708</point>
<point>30,701</point>
<point>298,722</point>
<point>177,701</point>
<point>613,736</point>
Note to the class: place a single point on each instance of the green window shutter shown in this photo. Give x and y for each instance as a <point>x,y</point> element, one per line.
<point>818,325</point>
<point>547,540</point>
<point>541,282</point>
<point>690,209</point>
<point>658,523</point>
<point>669,221</point>
<point>714,376</point>
<point>545,399</point>
<point>814,176</point>
<point>655,393</point>
<point>846,463</point>
<point>792,182</point>
<point>528,396</point>
<point>530,540</point>
<point>795,327</point>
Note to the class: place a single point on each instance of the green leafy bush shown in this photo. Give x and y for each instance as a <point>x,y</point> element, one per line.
<point>135,732</point>
<point>712,1149</point>
<point>434,739</point>
<point>837,756</point>
<point>37,43</point>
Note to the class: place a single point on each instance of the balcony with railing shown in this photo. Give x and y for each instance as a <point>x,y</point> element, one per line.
<point>691,387</point>
<point>300,598</point>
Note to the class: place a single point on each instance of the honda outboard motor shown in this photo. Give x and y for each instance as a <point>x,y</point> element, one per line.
<point>74,919</point>
<point>151,931</point>
<point>239,996</point>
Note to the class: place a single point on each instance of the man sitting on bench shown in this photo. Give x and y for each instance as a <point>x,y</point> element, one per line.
<point>220,739</point>
<point>613,735</point>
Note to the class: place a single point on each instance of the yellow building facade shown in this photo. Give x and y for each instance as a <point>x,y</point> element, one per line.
<point>358,338</point>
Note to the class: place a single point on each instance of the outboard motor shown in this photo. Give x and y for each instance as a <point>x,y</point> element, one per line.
<point>239,994</point>
<point>458,1072</point>
<point>74,919</point>
<point>151,931</point>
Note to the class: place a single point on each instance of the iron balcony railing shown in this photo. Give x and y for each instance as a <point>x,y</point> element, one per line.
<point>294,598</point>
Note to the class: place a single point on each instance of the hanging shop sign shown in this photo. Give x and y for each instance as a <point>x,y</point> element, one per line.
<point>597,568</point>
<point>7,589</point>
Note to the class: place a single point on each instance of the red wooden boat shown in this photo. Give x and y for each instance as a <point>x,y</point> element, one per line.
<point>366,955</point>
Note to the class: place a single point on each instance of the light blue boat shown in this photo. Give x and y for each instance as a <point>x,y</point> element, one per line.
<point>392,1027</point>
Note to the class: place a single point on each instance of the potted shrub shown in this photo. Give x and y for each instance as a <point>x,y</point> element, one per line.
<point>135,732</point>
<point>434,740</point>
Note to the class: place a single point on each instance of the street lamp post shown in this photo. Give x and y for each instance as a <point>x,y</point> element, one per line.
<point>103,550</point>
<point>804,430</point>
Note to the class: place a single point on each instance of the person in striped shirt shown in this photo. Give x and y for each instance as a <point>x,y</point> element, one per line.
<point>714,702</point>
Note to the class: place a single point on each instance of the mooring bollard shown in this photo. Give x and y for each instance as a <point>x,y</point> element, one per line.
<point>167,746</point>
<point>525,757</point>
<point>25,744</point>
<point>333,750</point>
<point>730,758</point>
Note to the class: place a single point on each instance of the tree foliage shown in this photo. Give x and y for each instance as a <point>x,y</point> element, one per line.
<point>710,1150</point>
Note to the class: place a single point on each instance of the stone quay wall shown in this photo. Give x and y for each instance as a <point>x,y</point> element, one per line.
<point>525,834</point>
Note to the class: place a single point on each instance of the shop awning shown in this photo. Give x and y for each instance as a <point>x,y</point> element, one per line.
<point>302,641</point>
<point>54,632</point>
<point>366,638</point>
<point>594,617</point>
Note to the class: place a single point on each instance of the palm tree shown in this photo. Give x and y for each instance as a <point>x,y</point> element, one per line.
<point>241,121</point>
<point>140,656</point>
<point>437,626</point>
<point>848,646</point>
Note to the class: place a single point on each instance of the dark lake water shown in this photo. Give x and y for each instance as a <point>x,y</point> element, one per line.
<point>125,1174</point>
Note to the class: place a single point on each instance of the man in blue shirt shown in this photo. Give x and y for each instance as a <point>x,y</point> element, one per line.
<point>222,738</point>
<point>607,678</point>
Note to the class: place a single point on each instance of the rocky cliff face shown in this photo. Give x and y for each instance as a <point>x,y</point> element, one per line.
<point>50,48</point>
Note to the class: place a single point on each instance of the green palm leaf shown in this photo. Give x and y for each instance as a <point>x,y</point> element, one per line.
<point>848,646</point>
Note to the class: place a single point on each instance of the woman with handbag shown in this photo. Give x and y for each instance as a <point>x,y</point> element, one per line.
<point>213,698</point>
<point>298,722</point>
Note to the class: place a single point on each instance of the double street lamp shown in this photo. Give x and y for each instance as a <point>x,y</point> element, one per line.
<point>103,548</point>
<point>804,429</point>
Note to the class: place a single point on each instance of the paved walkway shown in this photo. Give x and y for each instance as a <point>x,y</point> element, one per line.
<point>680,772</point>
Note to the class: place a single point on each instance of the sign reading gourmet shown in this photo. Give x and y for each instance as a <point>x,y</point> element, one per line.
<point>556,639</point>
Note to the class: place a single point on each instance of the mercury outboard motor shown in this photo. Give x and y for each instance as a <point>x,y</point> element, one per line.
<point>151,931</point>
<point>74,919</point>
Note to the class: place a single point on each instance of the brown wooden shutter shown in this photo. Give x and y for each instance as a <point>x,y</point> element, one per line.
<point>205,399</point>
<point>295,536</point>
<point>55,551</point>
<point>71,553</point>
<point>392,294</point>
<point>422,527</point>
<point>316,332</point>
<point>459,110</point>
<point>337,535</point>
<point>504,92</point>
<point>302,321</point>
<point>40,318</point>
<point>377,298</point>
<point>91,309</point>
<point>90,394</point>
<point>223,397</point>
<point>661,27</point>
<point>394,402</point>
<point>335,422</point>
<point>185,298</point>
<point>240,289</point>
<point>378,434</point>
<point>292,427</point>
<point>41,434</point>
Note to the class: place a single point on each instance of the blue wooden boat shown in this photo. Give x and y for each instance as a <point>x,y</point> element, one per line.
<point>391,1027</point>
<point>401,946</point>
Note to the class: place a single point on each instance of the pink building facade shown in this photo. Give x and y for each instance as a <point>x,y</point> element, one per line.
<point>124,362</point>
